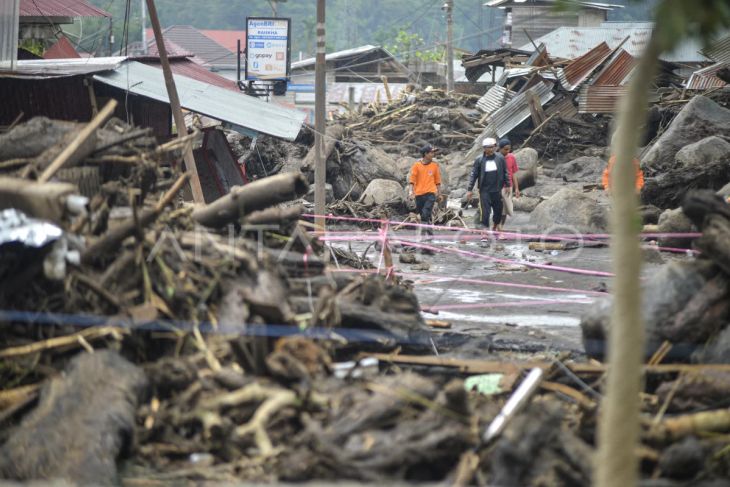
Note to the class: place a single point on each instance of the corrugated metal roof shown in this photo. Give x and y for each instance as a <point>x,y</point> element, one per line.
<point>237,109</point>
<point>60,8</point>
<point>205,49</point>
<point>617,70</point>
<point>705,79</point>
<point>356,51</point>
<point>522,3</point>
<point>599,99</point>
<point>571,42</point>
<point>186,67</point>
<point>63,49</point>
<point>494,99</point>
<point>517,110</point>
<point>572,75</point>
<point>719,50</point>
<point>48,68</point>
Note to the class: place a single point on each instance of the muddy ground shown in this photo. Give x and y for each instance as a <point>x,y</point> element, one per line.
<point>487,317</point>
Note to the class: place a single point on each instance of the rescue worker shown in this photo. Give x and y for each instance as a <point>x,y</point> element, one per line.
<point>638,181</point>
<point>513,189</point>
<point>425,183</point>
<point>490,173</point>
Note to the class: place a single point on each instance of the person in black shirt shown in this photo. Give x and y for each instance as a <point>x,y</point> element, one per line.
<point>490,174</point>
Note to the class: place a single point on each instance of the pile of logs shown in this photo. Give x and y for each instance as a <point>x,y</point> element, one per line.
<point>449,122</point>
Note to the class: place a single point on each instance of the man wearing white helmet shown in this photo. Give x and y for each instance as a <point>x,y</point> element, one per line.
<point>490,174</point>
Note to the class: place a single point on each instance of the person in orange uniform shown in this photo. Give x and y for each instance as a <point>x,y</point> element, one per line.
<point>425,183</point>
<point>639,180</point>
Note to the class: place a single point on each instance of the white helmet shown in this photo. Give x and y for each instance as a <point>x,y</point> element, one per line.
<point>489,142</point>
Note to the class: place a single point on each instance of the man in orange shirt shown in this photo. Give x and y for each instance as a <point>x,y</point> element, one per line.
<point>425,183</point>
<point>606,180</point>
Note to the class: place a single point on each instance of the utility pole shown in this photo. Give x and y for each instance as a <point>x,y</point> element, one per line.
<point>320,93</point>
<point>175,105</point>
<point>144,31</point>
<point>449,7</point>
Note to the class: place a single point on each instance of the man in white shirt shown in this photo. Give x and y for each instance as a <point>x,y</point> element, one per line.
<point>490,174</point>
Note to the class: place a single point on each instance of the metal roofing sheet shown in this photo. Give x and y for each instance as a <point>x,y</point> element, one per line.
<point>571,42</point>
<point>203,47</point>
<point>719,50</point>
<point>517,110</point>
<point>63,49</point>
<point>60,8</point>
<point>494,99</point>
<point>579,69</point>
<point>186,67</point>
<point>599,99</point>
<point>236,109</point>
<point>341,54</point>
<point>617,70</point>
<point>705,79</point>
<point>47,68</point>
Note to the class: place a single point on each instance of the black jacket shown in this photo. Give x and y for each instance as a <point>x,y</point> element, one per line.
<point>477,171</point>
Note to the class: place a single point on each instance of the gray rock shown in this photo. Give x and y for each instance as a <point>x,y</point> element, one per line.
<point>526,203</point>
<point>457,193</point>
<point>526,158</point>
<point>700,118</point>
<point>570,210</point>
<point>437,114</point>
<point>724,191</point>
<point>717,351</point>
<point>382,191</point>
<point>675,221</point>
<point>581,169</point>
<point>329,194</point>
<point>664,294</point>
<point>704,152</point>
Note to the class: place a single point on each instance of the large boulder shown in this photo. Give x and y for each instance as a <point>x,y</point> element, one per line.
<point>675,221</point>
<point>586,168</point>
<point>665,294</point>
<point>701,165</point>
<point>381,192</point>
<point>570,210</point>
<point>700,118</point>
<point>357,166</point>
<point>527,162</point>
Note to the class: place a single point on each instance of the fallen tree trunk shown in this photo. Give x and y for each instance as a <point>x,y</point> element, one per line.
<point>333,135</point>
<point>274,215</point>
<point>246,199</point>
<point>83,422</point>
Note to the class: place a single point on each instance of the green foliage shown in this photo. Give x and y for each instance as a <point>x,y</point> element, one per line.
<point>700,19</point>
<point>33,45</point>
<point>407,46</point>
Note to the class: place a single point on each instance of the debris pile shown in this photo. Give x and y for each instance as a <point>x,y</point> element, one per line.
<point>236,353</point>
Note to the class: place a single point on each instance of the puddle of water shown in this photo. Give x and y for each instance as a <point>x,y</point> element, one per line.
<point>520,320</point>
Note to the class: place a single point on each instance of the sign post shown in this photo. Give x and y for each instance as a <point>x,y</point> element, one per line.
<point>268,49</point>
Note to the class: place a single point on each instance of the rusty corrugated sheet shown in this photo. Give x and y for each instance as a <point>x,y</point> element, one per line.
<point>517,110</point>
<point>580,68</point>
<point>494,99</point>
<point>539,57</point>
<point>60,8</point>
<point>616,72</point>
<point>59,98</point>
<point>705,79</point>
<point>565,107</point>
<point>599,99</point>
<point>719,50</point>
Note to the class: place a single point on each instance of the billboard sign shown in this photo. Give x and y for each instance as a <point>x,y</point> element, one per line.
<point>268,48</point>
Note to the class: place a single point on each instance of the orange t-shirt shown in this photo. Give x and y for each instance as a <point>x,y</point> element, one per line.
<point>425,177</point>
<point>606,180</point>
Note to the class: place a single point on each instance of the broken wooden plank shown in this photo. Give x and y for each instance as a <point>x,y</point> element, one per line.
<point>79,147</point>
